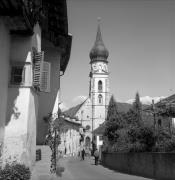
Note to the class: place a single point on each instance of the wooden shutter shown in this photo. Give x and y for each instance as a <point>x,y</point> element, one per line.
<point>45,77</point>
<point>38,66</point>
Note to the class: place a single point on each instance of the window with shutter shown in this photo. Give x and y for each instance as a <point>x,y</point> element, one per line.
<point>38,66</point>
<point>17,75</point>
<point>45,77</point>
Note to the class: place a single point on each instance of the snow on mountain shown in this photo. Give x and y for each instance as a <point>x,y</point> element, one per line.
<point>147,100</point>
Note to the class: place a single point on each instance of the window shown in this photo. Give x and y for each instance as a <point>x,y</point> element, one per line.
<point>100,85</point>
<point>41,72</point>
<point>100,100</point>
<point>88,127</point>
<point>159,123</point>
<point>100,137</point>
<point>17,75</point>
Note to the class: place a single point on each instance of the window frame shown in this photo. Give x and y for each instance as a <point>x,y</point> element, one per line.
<point>100,99</point>
<point>100,137</point>
<point>14,65</point>
<point>100,86</point>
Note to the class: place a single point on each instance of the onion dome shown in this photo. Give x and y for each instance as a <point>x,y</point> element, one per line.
<point>99,51</point>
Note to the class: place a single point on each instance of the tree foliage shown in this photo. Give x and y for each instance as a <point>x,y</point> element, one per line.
<point>15,171</point>
<point>137,110</point>
<point>131,132</point>
<point>141,139</point>
<point>113,121</point>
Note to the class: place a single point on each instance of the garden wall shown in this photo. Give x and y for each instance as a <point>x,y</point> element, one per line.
<point>151,165</point>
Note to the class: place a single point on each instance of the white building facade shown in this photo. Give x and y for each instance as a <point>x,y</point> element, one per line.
<point>69,136</point>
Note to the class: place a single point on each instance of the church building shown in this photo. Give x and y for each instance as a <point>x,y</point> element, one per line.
<point>93,111</point>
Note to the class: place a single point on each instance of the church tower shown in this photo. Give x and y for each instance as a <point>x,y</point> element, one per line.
<point>99,80</point>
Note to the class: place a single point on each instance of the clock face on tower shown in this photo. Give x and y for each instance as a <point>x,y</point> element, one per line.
<point>94,67</point>
<point>105,68</point>
<point>99,67</point>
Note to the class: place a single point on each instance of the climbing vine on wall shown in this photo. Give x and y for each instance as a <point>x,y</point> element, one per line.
<point>53,140</point>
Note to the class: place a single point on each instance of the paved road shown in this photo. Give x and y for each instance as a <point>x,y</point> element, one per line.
<point>75,169</point>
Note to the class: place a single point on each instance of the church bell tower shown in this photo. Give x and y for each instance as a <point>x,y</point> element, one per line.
<point>99,80</point>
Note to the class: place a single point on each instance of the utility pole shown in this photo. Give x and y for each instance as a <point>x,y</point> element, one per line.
<point>169,118</point>
<point>154,114</point>
<point>82,118</point>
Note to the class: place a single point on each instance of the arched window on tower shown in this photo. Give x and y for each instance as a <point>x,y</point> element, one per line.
<point>100,99</point>
<point>100,85</point>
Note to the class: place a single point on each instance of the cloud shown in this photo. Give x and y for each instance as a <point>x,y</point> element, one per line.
<point>79,99</point>
<point>147,100</point>
<point>63,106</point>
<point>75,101</point>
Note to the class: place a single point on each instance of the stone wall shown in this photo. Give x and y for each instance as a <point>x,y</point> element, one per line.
<point>151,165</point>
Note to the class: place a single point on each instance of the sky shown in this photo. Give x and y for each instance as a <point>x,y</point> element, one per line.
<point>140,37</point>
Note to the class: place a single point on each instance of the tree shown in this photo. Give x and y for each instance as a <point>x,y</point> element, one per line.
<point>113,121</point>
<point>141,139</point>
<point>137,110</point>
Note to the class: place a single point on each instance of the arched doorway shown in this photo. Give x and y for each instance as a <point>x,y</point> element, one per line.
<point>87,142</point>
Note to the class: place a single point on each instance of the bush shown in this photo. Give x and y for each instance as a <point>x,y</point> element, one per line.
<point>111,132</point>
<point>165,143</point>
<point>141,139</point>
<point>165,146</point>
<point>137,147</point>
<point>121,145</point>
<point>15,171</point>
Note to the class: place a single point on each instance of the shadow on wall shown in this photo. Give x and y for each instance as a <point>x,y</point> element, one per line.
<point>12,109</point>
<point>48,102</point>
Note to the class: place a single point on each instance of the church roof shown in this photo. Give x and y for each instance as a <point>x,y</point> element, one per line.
<point>63,120</point>
<point>100,130</point>
<point>99,51</point>
<point>73,110</point>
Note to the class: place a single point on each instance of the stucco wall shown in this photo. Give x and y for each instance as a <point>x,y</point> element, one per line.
<point>21,46</point>
<point>20,131</point>
<point>99,114</point>
<point>31,127</point>
<point>84,114</point>
<point>16,124</point>
<point>22,107</point>
<point>48,102</point>
<point>151,165</point>
<point>99,142</point>
<point>70,137</point>
<point>4,69</point>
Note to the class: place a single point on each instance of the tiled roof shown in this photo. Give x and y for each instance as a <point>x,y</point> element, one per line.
<point>62,120</point>
<point>170,99</point>
<point>72,111</point>
<point>164,102</point>
<point>100,129</point>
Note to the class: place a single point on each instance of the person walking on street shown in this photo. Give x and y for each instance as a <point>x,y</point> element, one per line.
<point>83,154</point>
<point>96,155</point>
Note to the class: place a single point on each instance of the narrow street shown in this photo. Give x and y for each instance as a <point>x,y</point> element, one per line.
<point>75,169</point>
